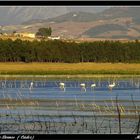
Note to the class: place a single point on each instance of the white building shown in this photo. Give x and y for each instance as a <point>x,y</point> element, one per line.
<point>54,38</point>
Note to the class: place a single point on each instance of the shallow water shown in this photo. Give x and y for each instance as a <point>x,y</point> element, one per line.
<point>51,90</point>
<point>47,103</point>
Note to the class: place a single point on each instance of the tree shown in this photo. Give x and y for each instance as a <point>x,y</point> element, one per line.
<point>45,32</point>
<point>14,32</point>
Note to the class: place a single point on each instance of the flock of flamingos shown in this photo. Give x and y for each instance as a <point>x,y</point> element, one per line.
<point>83,86</point>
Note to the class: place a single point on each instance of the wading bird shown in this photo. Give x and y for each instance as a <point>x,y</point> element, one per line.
<point>110,86</point>
<point>31,86</point>
<point>62,86</point>
<point>93,86</point>
<point>83,87</point>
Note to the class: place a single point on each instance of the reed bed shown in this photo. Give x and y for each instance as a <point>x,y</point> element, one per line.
<point>94,120</point>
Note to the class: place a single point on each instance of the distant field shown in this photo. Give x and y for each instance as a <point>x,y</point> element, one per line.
<point>79,40</point>
<point>69,68</point>
<point>14,38</point>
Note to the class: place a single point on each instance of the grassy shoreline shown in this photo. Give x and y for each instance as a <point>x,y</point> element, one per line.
<point>70,69</point>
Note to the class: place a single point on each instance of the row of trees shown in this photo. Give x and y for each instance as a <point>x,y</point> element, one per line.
<point>69,52</point>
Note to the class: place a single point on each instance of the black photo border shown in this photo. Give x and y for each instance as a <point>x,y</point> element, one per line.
<point>69,3</point>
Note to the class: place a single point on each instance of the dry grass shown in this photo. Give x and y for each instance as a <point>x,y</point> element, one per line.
<point>65,68</point>
<point>77,40</point>
<point>22,38</point>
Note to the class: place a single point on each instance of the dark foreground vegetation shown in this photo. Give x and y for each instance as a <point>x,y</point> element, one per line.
<point>69,52</point>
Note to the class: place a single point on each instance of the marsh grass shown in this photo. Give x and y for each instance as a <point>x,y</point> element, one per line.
<point>69,68</point>
<point>53,127</point>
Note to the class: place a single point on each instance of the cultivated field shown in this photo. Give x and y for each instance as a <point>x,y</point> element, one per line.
<point>69,68</point>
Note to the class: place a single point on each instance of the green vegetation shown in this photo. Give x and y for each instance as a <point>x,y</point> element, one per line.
<point>69,52</point>
<point>45,32</point>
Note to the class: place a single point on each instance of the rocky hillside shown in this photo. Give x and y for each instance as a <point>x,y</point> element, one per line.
<point>112,23</point>
<point>20,14</point>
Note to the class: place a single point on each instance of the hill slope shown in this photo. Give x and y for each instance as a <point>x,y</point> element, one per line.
<point>112,23</point>
<point>19,14</point>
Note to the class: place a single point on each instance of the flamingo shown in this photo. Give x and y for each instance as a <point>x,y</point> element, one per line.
<point>31,86</point>
<point>83,87</point>
<point>62,86</point>
<point>93,86</point>
<point>111,85</point>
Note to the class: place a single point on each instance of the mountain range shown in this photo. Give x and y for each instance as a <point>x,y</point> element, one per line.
<point>19,14</point>
<point>83,22</point>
